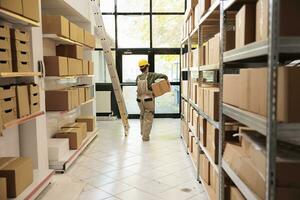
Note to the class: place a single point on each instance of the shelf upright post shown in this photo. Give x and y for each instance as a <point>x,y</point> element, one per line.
<point>272,99</point>
<point>221,192</point>
<point>189,84</point>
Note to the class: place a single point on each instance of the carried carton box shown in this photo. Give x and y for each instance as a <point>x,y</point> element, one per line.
<point>23,107</point>
<point>3,189</point>
<point>80,125</point>
<point>91,68</point>
<point>56,66</point>
<point>15,6</point>
<point>235,194</point>
<point>31,9</point>
<point>204,169</point>
<point>20,35</point>
<point>56,24</point>
<point>160,88</point>
<point>64,97</point>
<point>34,98</point>
<point>89,39</point>
<point>245,25</point>
<point>85,67</point>
<point>18,173</point>
<point>71,51</point>
<point>212,142</point>
<point>231,89</point>
<point>89,120</point>
<point>289,11</point>
<point>73,134</point>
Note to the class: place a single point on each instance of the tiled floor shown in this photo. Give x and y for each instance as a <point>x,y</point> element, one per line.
<point>114,167</point>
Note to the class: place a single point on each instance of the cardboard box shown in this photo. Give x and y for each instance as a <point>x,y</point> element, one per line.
<point>7,91</point>
<point>75,97</point>
<point>5,54</point>
<point>56,24</point>
<point>71,51</point>
<point>4,31</point>
<point>56,66</point>
<point>89,91</point>
<point>195,122</point>
<point>230,40</point>
<point>5,43</point>
<point>8,115</point>
<point>91,68</point>
<point>58,148</point>
<point>31,9</point>
<point>195,92</point>
<point>202,55</point>
<point>288,94</point>
<point>190,144</point>
<point>206,100</point>
<point>214,50</point>
<point>81,125</point>
<point>74,66</point>
<point>287,193</point>
<point>34,98</point>
<point>5,58</point>
<point>18,45</point>
<point>231,89</point>
<point>204,169</point>
<point>85,67</point>
<point>242,166</point>
<point>245,25</point>
<point>89,120</point>
<point>73,31</point>
<point>15,6</point>
<point>213,107</point>
<point>18,173</point>
<point>243,89</point>
<point>235,194</point>
<point>195,152</point>
<point>64,97</point>
<point>203,131</point>
<point>204,6</point>
<point>20,35</point>
<point>195,53</point>
<point>21,61</point>
<point>288,13</point>
<point>160,88</point>
<point>200,98</point>
<point>80,35</point>
<point>23,107</point>
<point>9,103</point>
<point>214,179</point>
<point>212,142</point>
<point>3,189</point>
<point>89,39</point>
<point>73,134</point>
<point>81,92</point>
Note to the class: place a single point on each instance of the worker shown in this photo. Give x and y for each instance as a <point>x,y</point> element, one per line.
<point>145,97</point>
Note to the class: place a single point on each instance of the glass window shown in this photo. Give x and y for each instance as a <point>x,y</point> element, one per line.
<point>107,6</point>
<point>101,70</point>
<point>168,103</point>
<point>130,67</point>
<point>129,93</point>
<point>169,65</point>
<point>168,5</point>
<point>133,32</point>
<point>133,6</point>
<point>166,31</point>
<point>109,23</point>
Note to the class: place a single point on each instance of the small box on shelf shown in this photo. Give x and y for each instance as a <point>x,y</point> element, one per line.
<point>235,194</point>
<point>18,173</point>
<point>56,24</point>
<point>20,35</point>
<point>58,148</point>
<point>31,9</point>
<point>64,97</point>
<point>89,39</point>
<point>204,169</point>
<point>203,133</point>
<point>80,125</point>
<point>71,51</point>
<point>81,97</point>
<point>91,68</point>
<point>85,67</point>
<point>73,134</point>
<point>89,120</point>
<point>74,67</point>
<point>3,189</point>
<point>34,98</point>
<point>56,66</point>
<point>23,107</point>
<point>15,6</point>
<point>212,141</point>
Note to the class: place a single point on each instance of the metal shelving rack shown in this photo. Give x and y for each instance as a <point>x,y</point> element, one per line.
<point>273,51</point>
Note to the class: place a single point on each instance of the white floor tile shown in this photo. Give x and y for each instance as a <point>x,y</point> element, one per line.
<point>135,194</point>
<point>115,187</point>
<point>94,194</point>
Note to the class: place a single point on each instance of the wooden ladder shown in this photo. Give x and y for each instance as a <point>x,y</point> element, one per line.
<point>105,42</point>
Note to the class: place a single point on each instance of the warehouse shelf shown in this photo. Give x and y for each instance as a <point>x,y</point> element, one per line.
<point>23,119</point>
<point>19,74</point>
<point>67,77</point>
<point>70,158</point>
<point>41,179</point>
<point>17,19</point>
<point>204,115</point>
<point>62,40</point>
<point>215,166</point>
<point>62,7</point>
<point>249,119</point>
<point>62,112</point>
<point>248,194</point>
<point>208,17</point>
<point>209,67</point>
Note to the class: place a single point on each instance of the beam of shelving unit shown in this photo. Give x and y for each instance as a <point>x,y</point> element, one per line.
<point>73,154</point>
<point>17,19</point>
<point>248,194</point>
<point>209,67</point>
<point>19,74</point>
<point>67,77</point>
<point>213,8</point>
<point>23,119</point>
<point>62,40</point>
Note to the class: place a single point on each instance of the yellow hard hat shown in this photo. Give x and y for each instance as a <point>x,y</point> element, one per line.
<point>143,63</point>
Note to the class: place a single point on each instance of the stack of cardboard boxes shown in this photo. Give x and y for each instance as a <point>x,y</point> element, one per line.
<point>16,174</point>
<point>248,160</point>
<point>8,104</point>
<point>5,47</point>
<point>76,132</point>
<point>29,9</point>
<point>69,98</point>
